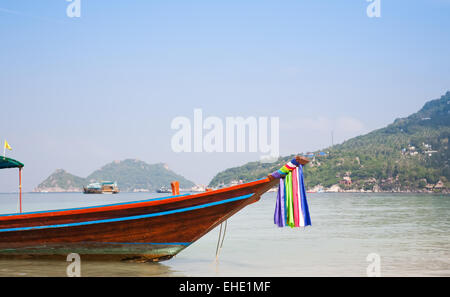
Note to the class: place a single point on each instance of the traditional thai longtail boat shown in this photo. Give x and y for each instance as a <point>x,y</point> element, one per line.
<point>155,229</point>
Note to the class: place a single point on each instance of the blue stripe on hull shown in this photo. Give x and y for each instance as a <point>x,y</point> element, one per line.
<point>90,207</point>
<point>128,218</point>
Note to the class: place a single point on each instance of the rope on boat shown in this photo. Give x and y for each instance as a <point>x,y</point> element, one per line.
<point>220,242</point>
<point>224,231</point>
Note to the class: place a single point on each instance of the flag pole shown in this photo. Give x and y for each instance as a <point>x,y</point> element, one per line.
<point>20,189</point>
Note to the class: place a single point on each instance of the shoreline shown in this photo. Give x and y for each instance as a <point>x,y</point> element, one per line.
<point>341,191</point>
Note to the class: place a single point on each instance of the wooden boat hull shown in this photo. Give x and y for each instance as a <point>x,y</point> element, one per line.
<point>155,229</point>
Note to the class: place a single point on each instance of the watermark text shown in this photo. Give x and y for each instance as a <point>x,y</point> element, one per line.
<point>374,268</point>
<point>232,134</point>
<point>374,9</point>
<point>74,9</point>
<point>74,268</point>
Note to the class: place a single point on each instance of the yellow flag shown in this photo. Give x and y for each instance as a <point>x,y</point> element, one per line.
<point>7,146</point>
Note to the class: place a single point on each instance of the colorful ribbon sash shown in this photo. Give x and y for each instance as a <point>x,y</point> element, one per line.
<point>291,208</point>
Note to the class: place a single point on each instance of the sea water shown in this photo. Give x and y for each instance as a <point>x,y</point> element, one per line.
<point>409,233</point>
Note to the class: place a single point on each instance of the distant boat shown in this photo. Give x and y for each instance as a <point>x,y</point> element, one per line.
<point>105,187</point>
<point>110,187</point>
<point>94,188</point>
<point>151,230</point>
<point>163,189</point>
<point>198,188</point>
<point>320,190</point>
<point>140,190</point>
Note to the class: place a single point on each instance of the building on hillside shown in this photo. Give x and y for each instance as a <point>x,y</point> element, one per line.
<point>346,180</point>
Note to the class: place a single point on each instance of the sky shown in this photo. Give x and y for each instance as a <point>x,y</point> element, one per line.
<point>78,93</point>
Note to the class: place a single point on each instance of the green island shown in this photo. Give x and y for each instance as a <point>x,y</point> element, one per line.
<point>409,155</point>
<point>131,175</point>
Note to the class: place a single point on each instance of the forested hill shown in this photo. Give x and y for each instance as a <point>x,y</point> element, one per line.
<point>411,154</point>
<point>129,174</point>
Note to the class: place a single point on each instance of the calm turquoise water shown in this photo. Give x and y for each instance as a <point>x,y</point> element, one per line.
<point>410,232</point>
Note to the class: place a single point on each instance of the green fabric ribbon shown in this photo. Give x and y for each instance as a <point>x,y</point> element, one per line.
<point>289,200</point>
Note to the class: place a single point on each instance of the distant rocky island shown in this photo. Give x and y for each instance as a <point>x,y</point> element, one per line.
<point>131,176</point>
<point>409,155</point>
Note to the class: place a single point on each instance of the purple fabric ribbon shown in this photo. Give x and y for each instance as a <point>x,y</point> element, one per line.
<point>280,207</point>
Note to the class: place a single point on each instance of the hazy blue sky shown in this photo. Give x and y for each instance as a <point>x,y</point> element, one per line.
<point>77,93</point>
